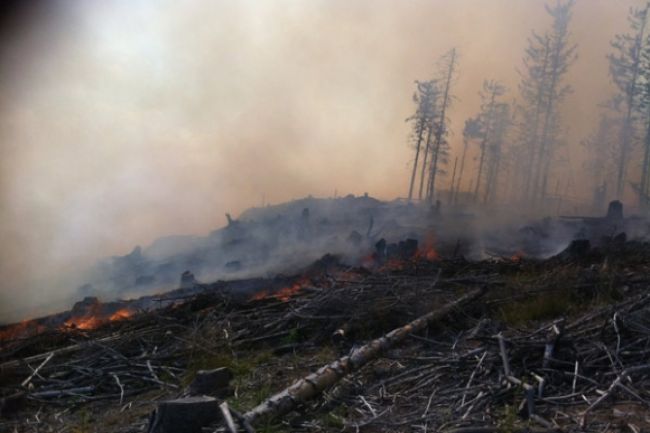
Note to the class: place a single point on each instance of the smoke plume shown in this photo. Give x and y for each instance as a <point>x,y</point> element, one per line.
<point>124,121</point>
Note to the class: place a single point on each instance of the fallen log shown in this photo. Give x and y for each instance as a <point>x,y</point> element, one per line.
<point>315,383</point>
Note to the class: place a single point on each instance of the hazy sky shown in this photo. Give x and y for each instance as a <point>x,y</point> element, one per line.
<point>125,120</point>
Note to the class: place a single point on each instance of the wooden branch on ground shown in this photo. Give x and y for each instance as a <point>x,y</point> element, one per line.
<point>73,348</point>
<point>37,369</point>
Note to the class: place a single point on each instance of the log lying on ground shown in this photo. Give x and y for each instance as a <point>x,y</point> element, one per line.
<point>312,385</point>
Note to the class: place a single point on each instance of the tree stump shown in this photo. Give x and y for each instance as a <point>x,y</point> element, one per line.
<point>184,415</point>
<point>211,382</point>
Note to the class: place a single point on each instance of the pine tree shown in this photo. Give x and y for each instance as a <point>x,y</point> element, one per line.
<point>439,147</point>
<point>626,69</point>
<point>431,127</point>
<point>425,98</point>
<point>489,127</point>
<point>546,62</point>
<point>644,184</point>
<point>456,188</point>
<point>600,167</point>
<point>502,123</point>
<point>562,55</point>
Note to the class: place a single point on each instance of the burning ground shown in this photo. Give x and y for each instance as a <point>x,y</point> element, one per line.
<point>284,238</point>
<point>541,344</point>
<point>281,241</point>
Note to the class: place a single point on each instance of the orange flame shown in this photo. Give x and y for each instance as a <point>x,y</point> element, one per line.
<point>260,295</point>
<point>394,265</point>
<point>29,328</point>
<point>26,328</point>
<point>85,323</point>
<point>285,293</point>
<point>368,261</point>
<point>428,251</point>
<point>347,275</point>
<point>121,314</point>
<point>94,319</point>
<point>516,257</point>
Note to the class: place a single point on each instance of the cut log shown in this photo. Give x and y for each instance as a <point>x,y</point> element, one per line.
<point>312,385</point>
<point>185,415</point>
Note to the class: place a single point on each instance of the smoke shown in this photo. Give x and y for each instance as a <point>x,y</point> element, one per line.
<point>127,120</point>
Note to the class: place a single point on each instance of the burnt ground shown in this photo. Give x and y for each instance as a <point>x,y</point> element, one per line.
<point>557,344</point>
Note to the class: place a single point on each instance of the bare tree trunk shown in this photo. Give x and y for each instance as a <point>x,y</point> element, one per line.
<point>644,188</point>
<point>544,185</point>
<point>537,173</point>
<point>480,169</point>
<point>532,147</point>
<point>544,145</point>
<point>484,142</point>
<point>622,160</point>
<point>432,174</point>
<point>415,163</point>
<point>544,150</point>
<point>627,122</point>
<point>424,164</point>
<point>495,179</point>
<point>507,181</point>
<point>491,183</point>
<point>462,168</point>
<point>453,181</point>
<point>441,127</point>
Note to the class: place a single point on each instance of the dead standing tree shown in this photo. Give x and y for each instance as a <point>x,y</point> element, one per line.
<point>644,186</point>
<point>425,97</point>
<point>531,89</point>
<point>456,187</point>
<point>600,165</point>
<point>495,151</point>
<point>439,145</point>
<point>546,61</point>
<point>562,56</point>
<point>625,68</point>
<point>489,127</point>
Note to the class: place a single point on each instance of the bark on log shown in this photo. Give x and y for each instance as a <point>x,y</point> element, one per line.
<point>312,385</point>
